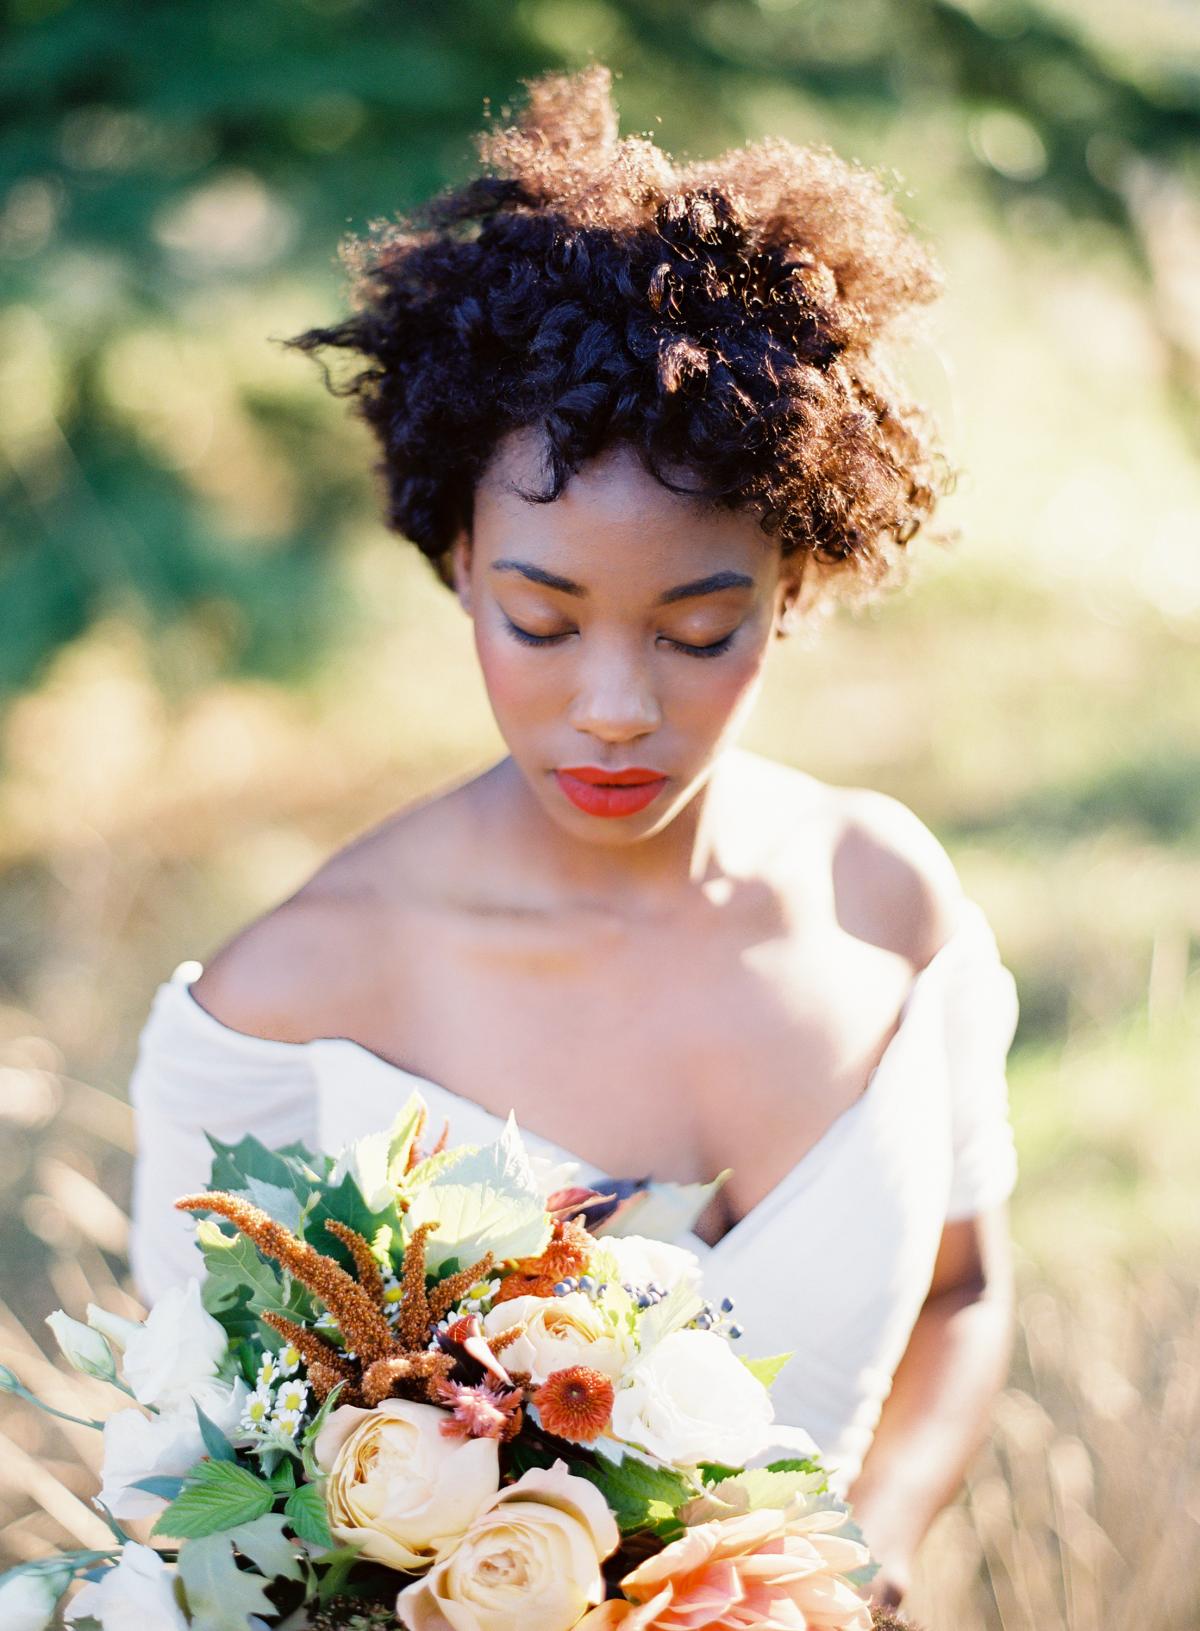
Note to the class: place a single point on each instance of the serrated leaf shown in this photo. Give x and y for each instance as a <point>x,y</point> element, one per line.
<point>284,1205</point>
<point>217,1495</point>
<point>377,1162</point>
<point>292,1167</point>
<point>488,1200</point>
<point>766,1370</point>
<point>240,1283</point>
<point>215,1442</point>
<point>220,1596</point>
<point>677,1309</point>
<point>344,1202</point>
<point>283,1477</point>
<point>764,1488</point>
<point>305,1511</point>
<point>640,1496</point>
<point>267,1547</point>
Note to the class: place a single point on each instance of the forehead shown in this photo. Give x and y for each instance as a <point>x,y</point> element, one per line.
<point>613,525</point>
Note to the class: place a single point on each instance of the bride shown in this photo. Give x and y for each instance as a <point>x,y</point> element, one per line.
<point>637,418</point>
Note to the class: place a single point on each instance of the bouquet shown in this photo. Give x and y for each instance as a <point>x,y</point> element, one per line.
<point>440,1391</point>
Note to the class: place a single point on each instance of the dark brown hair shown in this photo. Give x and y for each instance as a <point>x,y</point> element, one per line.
<point>726,318</point>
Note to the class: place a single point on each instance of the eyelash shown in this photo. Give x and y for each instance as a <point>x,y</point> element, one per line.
<point>714,650</point>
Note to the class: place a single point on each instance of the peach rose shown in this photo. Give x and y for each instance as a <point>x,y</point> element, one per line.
<point>560,1332</point>
<point>531,1558</point>
<point>762,1569</point>
<point>397,1486</point>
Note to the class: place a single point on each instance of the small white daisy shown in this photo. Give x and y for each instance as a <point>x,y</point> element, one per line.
<point>286,1423</point>
<point>324,1321</point>
<point>257,1410</point>
<point>289,1357</point>
<point>291,1396</point>
<point>268,1371</point>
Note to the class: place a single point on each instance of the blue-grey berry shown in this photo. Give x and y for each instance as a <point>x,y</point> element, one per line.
<point>735,1331</point>
<point>727,1305</point>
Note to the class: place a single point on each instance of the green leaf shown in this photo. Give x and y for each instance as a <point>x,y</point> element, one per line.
<point>284,1205</point>
<point>166,1488</point>
<point>715,1472</point>
<point>283,1477</point>
<point>217,1495</point>
<point>308,1459</point>
<point>292,1167</point>
<point>336,1567</point>
<point>268,1548</point>
<point>641,1496</point>
<point>305,1511</point>
<point>766,1488</point>
<point>346,1205</point>
<point>240,1283</point>
<point>215,1442</point>
<point>766,1370</point>
<point>377,1162</point>
<point>220,1595</point>
<point>796,1464</point>
<point>488,1200</point>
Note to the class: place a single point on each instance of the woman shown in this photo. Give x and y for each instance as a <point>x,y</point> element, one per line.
<point>636,416</point>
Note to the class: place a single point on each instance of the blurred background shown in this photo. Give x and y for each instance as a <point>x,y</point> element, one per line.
<point>216,665</point>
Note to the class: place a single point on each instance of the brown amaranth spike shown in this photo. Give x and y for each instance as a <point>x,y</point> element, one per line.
<point>323,1381</point>
<point>311,1344</point>
<point>360,1321</point>
<point>454,1286</point>
<point>414,1304</point>
<point>369,1276</point>
<point>409,1373</point>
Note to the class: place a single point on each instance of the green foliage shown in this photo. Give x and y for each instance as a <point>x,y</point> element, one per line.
<point>217,1495</point>
<point>220,1595</point>
<point>641,1496</point>
<point>240,1283</point>
<point>305,1511</point>
<point>766,1370</point>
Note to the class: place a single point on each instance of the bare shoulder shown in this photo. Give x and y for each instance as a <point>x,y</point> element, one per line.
<point>894,882</point>
<point>315,965</point>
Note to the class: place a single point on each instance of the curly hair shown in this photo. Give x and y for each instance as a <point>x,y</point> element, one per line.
<point>725,318</point>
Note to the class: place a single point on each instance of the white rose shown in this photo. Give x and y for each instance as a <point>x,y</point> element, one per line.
<point>397,1486</point>
<point>178,1348</point>
<point>560,1332</point>
<point>640,1259</point>
<point>691,1399</point>
<point>28,1599</point>
<point>163,1446</point>
<point>135,1596</point>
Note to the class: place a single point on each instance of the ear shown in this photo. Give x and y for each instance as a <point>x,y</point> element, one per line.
<point>785,609</point>
<point>460,562</point>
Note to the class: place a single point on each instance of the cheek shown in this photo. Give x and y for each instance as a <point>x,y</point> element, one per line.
<point>720,691</point>
<point>515,685</point>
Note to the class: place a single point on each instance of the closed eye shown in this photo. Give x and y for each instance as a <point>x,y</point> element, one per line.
<point>714,650</point>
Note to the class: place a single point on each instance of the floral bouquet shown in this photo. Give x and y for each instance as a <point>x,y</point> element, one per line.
<point>429,1390</point>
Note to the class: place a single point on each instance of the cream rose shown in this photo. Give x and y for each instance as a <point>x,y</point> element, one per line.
<point>691,1399</point>
<point>397,1486</point>
<point>531,1558</point>
<point>560,1332</point>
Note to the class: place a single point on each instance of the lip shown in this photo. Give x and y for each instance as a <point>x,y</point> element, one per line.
<point>610,793</point>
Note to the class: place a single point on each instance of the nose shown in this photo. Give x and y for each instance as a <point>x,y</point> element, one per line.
<point>616,700</point>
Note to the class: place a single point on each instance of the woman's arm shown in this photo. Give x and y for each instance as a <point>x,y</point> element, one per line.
<point>936,1416</point>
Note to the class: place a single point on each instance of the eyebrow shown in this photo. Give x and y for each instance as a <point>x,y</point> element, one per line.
<point>710,585</point>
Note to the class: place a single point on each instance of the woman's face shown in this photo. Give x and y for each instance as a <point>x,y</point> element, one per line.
<point>621,628</point>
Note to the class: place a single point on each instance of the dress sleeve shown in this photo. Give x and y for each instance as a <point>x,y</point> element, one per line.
<point>194,1075</point>
<point>981,1019</point>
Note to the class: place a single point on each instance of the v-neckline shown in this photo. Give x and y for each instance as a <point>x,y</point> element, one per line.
<point>773,1195</point>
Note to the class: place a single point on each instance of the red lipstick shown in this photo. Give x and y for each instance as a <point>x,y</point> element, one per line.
<point>603,792</point>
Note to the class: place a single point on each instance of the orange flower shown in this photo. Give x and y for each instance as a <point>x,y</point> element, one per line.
<point>762,1569</point>
<point>575,1403</point>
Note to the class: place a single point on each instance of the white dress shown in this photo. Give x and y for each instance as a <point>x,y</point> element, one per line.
<point>833,1264</point>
